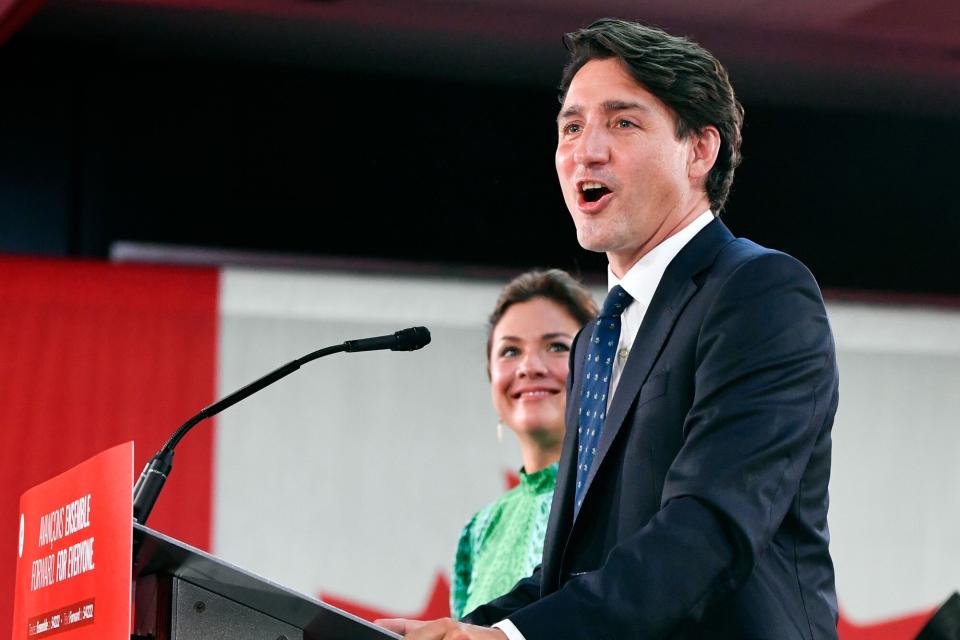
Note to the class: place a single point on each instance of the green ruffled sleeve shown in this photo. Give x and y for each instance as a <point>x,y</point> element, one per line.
<point>462,571</point>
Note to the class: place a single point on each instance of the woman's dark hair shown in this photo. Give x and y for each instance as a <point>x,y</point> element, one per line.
<point>682,74</point>
<point>555,285</point>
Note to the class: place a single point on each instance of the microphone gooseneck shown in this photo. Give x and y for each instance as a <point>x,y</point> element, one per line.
<point>154,475</point>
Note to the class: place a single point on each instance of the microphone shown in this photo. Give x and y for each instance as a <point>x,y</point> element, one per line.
<point>406,340</point>
<point>154,475</point>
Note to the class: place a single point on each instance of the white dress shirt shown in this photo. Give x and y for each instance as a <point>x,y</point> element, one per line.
<point>641,282</point>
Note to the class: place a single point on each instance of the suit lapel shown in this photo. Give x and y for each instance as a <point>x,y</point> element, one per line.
<point>673,293</point>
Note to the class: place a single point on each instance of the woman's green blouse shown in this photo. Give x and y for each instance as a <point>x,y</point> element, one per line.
<point>502,543</point>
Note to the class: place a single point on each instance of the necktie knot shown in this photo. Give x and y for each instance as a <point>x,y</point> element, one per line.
<point>615,303</point>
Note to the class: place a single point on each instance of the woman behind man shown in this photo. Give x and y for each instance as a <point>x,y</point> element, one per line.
<point>530,333</point>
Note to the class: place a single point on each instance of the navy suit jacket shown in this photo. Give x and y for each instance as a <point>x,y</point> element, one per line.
<point>705,514</point>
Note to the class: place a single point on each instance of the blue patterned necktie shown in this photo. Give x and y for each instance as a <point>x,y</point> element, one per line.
<point>596,384</point>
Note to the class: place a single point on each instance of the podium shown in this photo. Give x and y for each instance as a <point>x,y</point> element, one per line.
<point>74,574</point>
<point>182,593</point>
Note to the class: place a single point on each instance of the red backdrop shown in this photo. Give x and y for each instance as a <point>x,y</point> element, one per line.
<point>91,355</point>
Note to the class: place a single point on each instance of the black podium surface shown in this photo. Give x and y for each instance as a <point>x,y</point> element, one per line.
<point>231,598</point>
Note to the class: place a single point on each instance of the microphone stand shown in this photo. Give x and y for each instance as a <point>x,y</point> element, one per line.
<point>150,482</point>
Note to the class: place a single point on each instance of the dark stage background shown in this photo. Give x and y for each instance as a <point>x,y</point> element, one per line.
<point>106,138</point>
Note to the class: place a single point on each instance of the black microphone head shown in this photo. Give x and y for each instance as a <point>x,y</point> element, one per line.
<point>411,339</point>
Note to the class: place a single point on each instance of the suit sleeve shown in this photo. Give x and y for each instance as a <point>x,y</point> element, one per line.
<point>765,384</point>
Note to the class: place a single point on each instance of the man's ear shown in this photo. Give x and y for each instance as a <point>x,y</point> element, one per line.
<point>703,152</point>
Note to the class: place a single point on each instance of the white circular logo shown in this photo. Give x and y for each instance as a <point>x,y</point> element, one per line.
<point>20,550</point>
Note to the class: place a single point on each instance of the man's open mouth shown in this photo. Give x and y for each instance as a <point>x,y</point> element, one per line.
<point>593,191</point>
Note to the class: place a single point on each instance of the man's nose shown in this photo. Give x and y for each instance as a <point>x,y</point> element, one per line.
<point>593,146</point>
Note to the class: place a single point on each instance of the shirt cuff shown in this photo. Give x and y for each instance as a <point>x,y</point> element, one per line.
<point>509,629</point>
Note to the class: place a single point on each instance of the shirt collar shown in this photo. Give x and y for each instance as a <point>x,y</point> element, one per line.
<point>643,278</point>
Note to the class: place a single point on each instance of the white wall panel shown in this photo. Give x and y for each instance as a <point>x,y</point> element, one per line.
<point>895,491</point>
<point>355,474</point>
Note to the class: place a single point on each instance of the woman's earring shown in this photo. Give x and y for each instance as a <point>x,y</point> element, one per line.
<point>499,431</point>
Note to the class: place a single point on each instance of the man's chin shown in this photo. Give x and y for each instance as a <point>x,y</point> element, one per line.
<point>593,242</point>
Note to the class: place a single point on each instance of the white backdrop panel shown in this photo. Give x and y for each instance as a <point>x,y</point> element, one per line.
<point>355,474</point>
<point>895,490</point>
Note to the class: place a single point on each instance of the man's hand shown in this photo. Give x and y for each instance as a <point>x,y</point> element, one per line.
<point>443,629</point>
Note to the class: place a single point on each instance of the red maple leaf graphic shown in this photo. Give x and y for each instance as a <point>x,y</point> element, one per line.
<point>903,628</point>
<point>438,606</point>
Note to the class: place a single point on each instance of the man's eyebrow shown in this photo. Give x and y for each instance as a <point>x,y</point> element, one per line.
<point>622,105</point>
<point>572,110</point>
<point>608,106</point>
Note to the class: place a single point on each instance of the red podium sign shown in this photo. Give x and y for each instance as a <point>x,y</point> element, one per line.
<point>74,552</point>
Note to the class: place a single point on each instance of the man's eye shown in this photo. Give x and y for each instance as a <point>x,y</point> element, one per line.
<point>572,128</point>
<point>558,347</point>
<point>624,124</point>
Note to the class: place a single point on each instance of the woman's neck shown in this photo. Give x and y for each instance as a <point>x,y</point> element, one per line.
<point>537,454</point>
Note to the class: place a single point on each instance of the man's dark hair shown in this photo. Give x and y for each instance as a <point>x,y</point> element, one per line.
<point>682,74</point>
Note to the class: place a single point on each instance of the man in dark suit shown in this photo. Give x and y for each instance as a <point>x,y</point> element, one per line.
<point>691,500</point>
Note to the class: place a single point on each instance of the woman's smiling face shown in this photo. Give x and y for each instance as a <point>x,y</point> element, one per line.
<point>528,367</point>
